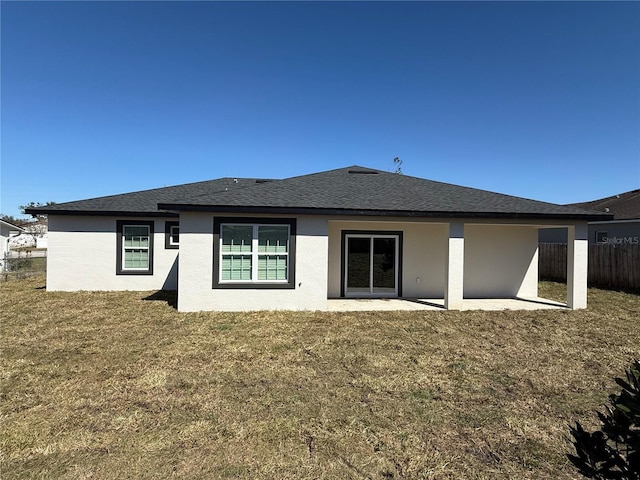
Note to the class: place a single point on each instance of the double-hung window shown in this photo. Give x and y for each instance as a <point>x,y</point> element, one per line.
<point>236,261</point>
<point>255,254</point>
<point>135,247</point>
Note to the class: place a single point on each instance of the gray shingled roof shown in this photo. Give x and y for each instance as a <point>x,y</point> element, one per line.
<point>351,191</point>
<point>363,191</point>
<point>624,206</point>
<point>11,225</point>
<point>144,202</point>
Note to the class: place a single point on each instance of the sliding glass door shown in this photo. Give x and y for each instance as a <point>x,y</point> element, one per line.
<point>371,265</point>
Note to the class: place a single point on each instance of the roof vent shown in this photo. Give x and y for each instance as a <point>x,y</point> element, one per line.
<point>362,171</point>
<point>263,180</point>
<point>606,209</point>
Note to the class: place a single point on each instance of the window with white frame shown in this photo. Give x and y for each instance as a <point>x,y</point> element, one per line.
<point>171,234</point>
<point>174,235</point>
<point>251,253</point>
<point>135,247</point>
<point>254,254</point>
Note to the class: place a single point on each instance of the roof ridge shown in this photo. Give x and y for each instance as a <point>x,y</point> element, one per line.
<point>615,196</point>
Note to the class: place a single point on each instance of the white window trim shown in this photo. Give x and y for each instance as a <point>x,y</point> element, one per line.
<point>124,249</point>
<point>254,254</point>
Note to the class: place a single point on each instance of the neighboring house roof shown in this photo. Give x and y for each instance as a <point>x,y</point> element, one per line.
<point>346,191</point>
<point>625,206</point>
<point>12,226</point>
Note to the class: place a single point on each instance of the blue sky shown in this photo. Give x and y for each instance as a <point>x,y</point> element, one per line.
<point>539,100</point>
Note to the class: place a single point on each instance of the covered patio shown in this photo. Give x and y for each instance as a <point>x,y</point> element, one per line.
<point>451,264</point>
<point>438,304</point>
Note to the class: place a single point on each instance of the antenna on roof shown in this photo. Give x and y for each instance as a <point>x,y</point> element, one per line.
<point>398,164</point>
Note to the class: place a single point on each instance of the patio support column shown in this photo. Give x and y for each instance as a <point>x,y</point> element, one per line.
<point>577,263</point>
<point>454,268</point>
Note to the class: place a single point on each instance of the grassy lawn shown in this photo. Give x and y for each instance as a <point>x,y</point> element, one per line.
<point>112,385</point>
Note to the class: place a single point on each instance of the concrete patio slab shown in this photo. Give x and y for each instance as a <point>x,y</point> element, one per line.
<point>393,304</point>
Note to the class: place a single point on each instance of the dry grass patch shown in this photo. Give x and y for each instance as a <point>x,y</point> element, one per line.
<point>110,385</point>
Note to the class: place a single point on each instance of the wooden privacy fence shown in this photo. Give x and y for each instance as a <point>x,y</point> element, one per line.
<point>610,266</point>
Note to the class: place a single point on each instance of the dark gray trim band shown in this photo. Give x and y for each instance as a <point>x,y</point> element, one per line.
<point>323,211</point>
<point>380,213</point>
<point>101,213</point>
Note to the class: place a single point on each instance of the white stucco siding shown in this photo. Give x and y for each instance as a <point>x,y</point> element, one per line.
<point>4,239</point>
<point>493,260</point>
<point>423,255</point>
<point>500,261</point>
<point>454,267</point>
<point>196,291</point>
<point>577,263</point>
<point>82,256</point>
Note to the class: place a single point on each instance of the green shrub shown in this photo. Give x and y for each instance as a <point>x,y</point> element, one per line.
<point>613,452</point>
<point>20,263</point>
